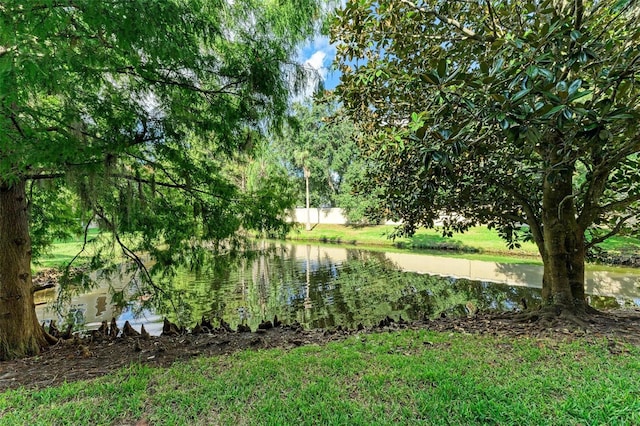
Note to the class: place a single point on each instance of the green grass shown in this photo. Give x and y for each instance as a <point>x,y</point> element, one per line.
<point>621,245</point>
<point>62,252</point>
<point>409,377</point>
<point>479,239</point>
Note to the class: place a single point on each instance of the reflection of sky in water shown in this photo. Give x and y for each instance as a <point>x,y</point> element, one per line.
<point>329,286</point>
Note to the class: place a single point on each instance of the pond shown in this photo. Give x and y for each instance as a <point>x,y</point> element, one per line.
<point>323,286</point>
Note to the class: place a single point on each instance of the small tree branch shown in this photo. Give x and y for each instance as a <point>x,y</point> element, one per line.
<point>44,176</point>
<point>84,243</point>
<point>614,231</point>
<point>173,82</point>
<point>467,32</point>
<point>621,204</point>
<point>593,193</point>
<point>135,258</point>
<point>180,186</point>
<point>531,218</point>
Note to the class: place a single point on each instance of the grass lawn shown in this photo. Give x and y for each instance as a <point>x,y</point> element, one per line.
<point>62,252</point>
<point>477,239</point>
<point>406,377</point>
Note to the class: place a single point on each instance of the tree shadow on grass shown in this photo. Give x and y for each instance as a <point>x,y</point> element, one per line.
<point>337,240</point>
<point>435,242</point>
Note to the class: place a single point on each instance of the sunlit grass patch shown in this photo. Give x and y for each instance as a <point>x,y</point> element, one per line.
<point>409,377</point>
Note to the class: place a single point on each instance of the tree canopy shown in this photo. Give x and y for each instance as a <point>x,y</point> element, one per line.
<point>522,115</point>
<point>324,146</point>
<point>131,111</point>
<point>322,138</point>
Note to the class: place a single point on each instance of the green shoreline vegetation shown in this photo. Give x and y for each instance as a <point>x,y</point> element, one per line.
<point>478,239</point>
<point>404,377</point>
<point>478,243</point>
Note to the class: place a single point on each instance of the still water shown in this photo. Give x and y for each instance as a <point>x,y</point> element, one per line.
<point>325,286</point>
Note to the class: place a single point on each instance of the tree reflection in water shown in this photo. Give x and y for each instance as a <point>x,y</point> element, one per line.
<point>318,286</point>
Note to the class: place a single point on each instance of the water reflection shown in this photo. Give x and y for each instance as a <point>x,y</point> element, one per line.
<point>326,286</point>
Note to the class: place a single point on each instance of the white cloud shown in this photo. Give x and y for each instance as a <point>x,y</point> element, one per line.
<point>316,61</point>
<point>317,56</point>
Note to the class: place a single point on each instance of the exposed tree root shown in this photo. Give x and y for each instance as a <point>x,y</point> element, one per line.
<point>593,311</point>
<point>49,339</point>
<point>555,316</point>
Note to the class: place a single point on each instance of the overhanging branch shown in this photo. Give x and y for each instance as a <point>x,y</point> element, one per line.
<point>531,218</point>
<point>180,186</point>
<point>130,71</point>
<point>135,258</point>
<point>44,176</point>
<point>614,231</point>
<point>84,243</point>
<point>620,204</point>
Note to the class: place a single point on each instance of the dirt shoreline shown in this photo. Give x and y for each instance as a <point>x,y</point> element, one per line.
<point>91,357</point>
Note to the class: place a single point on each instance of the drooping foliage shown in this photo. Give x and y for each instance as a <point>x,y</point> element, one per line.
<point>132,111</point>
<point>129,100</point>
<point>522,115</point>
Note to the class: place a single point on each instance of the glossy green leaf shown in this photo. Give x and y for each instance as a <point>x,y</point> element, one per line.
<point>575,35</point>
<point>548,75</point>
<point>562,86</point>
<point>430,78</point>
<point>574,86</point>
<point>553,111</point>
<point>520,94</point>
<point>579,95</point>
<point>442,68</point>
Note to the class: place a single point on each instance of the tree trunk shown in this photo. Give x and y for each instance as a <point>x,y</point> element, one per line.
<point>564,248</point>
<point>20,333</point>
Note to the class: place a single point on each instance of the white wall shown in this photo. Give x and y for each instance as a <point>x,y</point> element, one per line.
<point>325,216</point>
<point>331,216</point>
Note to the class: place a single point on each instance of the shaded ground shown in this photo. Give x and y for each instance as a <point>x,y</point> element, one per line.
<point>80,359</point>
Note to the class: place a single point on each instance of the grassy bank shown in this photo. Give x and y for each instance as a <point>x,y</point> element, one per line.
<point>62,252</point>
<point>479,242</point>
<point>408,377</point>
<point>477,239</point>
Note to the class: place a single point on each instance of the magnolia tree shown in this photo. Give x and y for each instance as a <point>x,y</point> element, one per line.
<point>521,115</point>
<point>132,110</point>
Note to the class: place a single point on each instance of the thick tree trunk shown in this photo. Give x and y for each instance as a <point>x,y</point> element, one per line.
<point>564,252</point>
<point>20,333</point>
